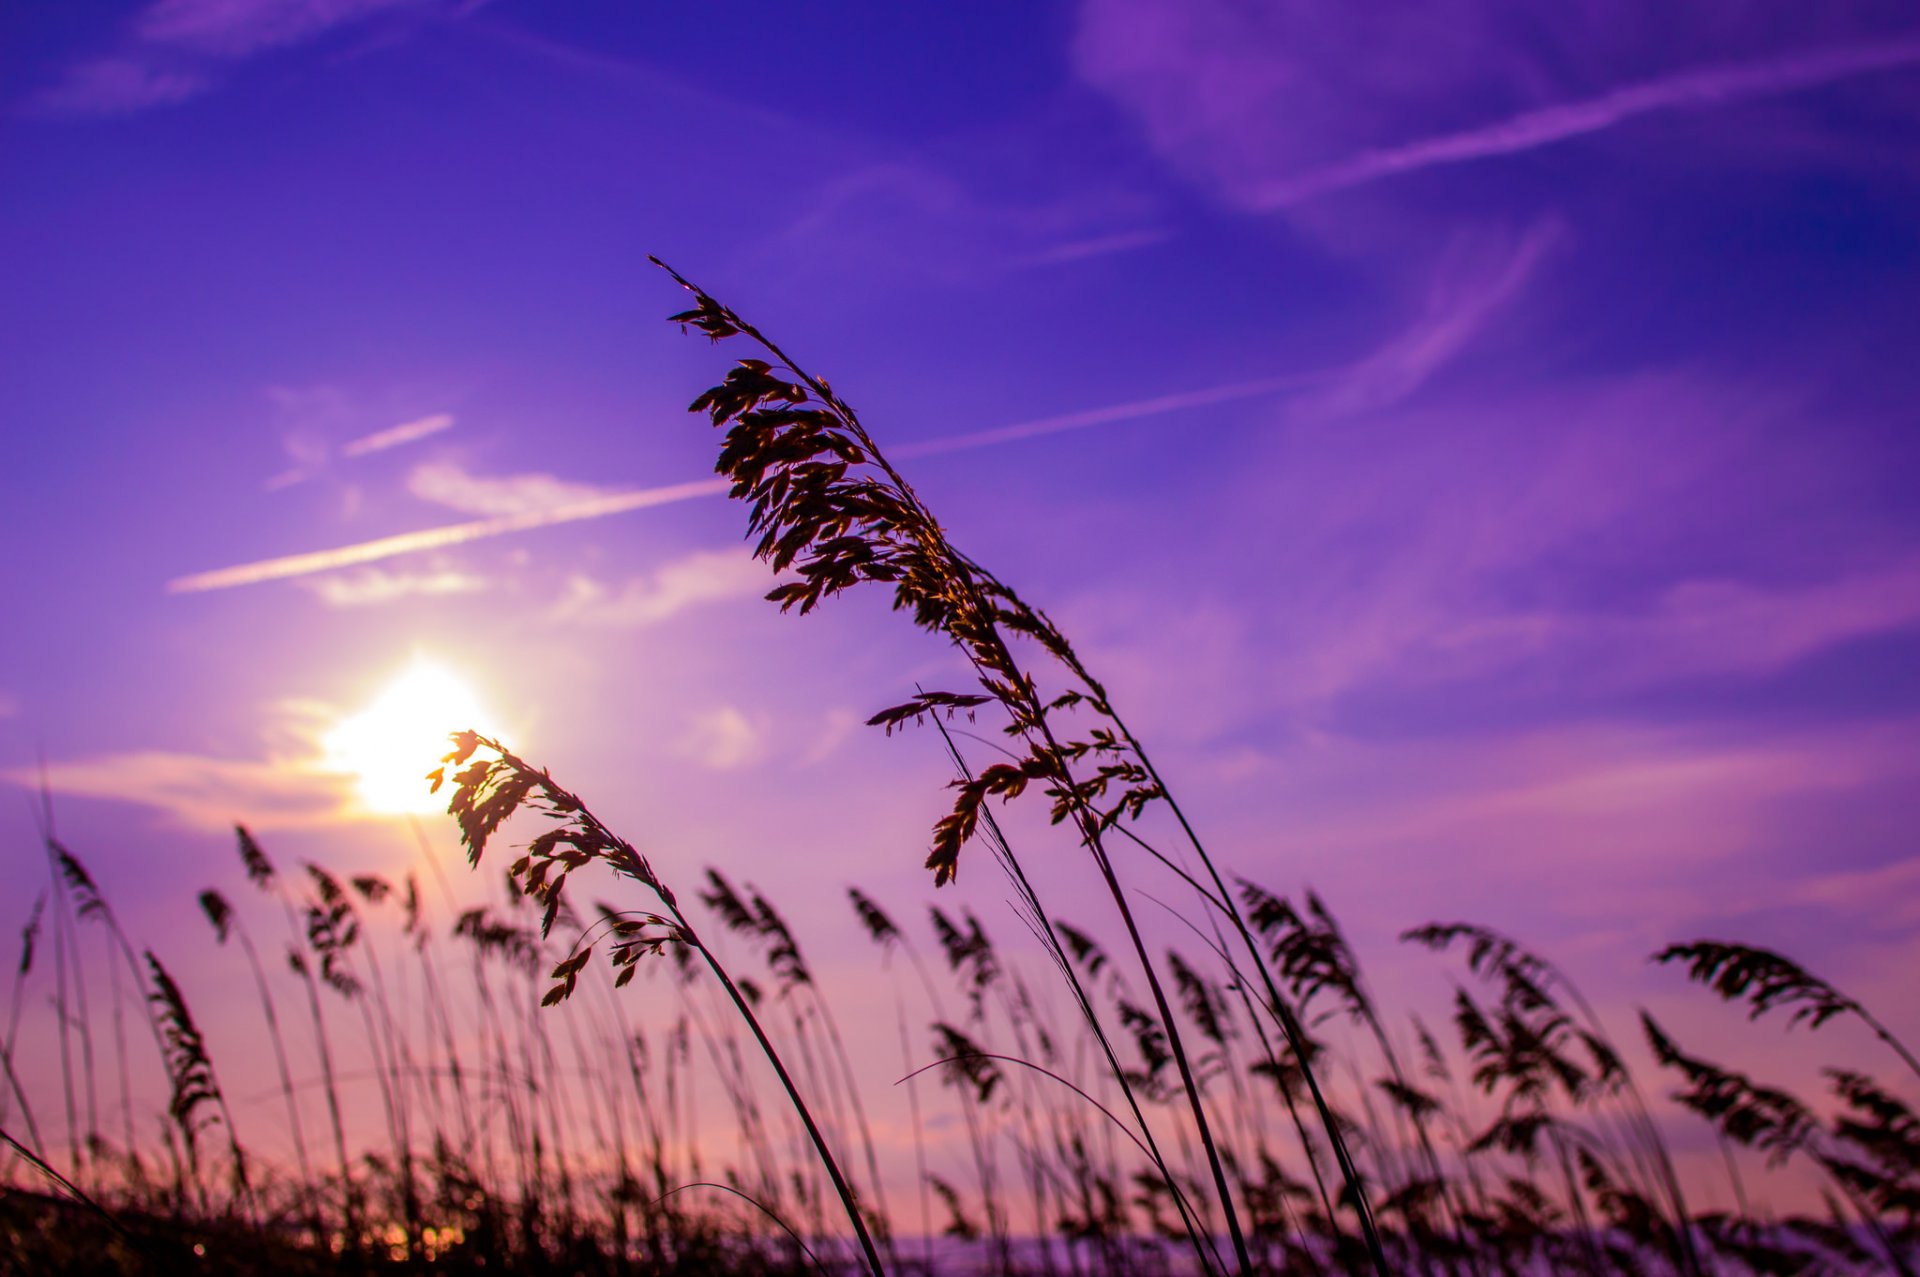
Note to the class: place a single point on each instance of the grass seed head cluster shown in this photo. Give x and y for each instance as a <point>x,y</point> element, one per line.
<point>1238,1102</point>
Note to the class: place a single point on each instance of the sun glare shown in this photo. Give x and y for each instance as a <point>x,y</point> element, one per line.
<point>391,745</point>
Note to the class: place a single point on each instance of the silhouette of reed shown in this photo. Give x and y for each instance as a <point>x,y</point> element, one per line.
<point>588,1153</point>
<point>1102,1100</point>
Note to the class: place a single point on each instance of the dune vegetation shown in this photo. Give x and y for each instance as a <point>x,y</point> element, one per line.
<point>1197,1083</point>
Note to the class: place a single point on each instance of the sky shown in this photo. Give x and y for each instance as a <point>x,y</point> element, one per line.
<point>1472,439</point>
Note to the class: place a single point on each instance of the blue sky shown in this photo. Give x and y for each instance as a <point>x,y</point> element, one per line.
<point>1474,439</point>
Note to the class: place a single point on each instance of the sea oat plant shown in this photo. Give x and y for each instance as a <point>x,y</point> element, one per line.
<point>489,789</point>
<point>827,505</point>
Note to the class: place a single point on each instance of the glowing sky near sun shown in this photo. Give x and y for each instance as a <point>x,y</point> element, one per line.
<point>389,745</point>
<point>1474,440</point>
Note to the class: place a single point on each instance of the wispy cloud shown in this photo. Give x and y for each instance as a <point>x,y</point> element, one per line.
<point>539,501</point>
<point>1458,308</point>
<point>1888,895</point>
<point>371,586</point>
<point>310,418</point>
<point>723,739</point>
<point>704,576</point>
<point>1277,104</point>
<point>232,29</point>
<point>1112,414</point>
<point>918,220</point>
<point>294,565</point>
<point>444,483</point>
<point>1473,285</point>
<point>1088,247</point>
<point>838,726</point>
<point>202,791</point>
<point>394,436</point>
<point>176,49</point>
<point>1701,87</point>
<point>1733,626</point>
<point>1446,643</point>
<point>120,85</point>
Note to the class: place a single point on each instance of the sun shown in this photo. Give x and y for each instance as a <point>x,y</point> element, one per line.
<point>391,745</point>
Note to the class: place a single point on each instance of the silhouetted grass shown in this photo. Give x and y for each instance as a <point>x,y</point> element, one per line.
<point>1239,1101</point>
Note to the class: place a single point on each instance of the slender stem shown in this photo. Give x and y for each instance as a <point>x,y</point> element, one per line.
<point>1288,1024</point>
<point>68,1185</point>
<point>793,1096</point>
<point>1885,1035</point>
<point>1189,1219</point>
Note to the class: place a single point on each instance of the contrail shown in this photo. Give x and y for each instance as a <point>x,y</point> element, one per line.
<point>434,538</point>
<point>1548,125</point>
<point>293,565</point>
<point>1115,412</point>
<point>394,436</point>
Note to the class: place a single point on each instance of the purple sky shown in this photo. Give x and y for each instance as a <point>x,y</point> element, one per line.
<point>1474,440</point>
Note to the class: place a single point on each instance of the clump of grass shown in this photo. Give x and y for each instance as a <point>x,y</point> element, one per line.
<point>827,505</point>
<point>488,790</point>
<point>1239,1103</point>
<point>1548,1156</point>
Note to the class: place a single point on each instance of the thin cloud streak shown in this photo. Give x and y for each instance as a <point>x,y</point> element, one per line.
<point>1080,250</point>
<point>1437,338</point>
<point>1132,411</point>
<point>394,436</point>
<point>294,565</point>
<point>172,50</point>
<point>1548,125</point>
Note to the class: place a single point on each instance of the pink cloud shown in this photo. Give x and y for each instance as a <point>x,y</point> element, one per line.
<point>173,50</point>
<point>705,576</point>
<point>447,484</point>
<point>118,86</point>
<point>205,792</point>
<point>396,436</point>
<point>1274,104</point>
<point>1475,281</point>
<point>1696,89</point>
<point>234,29</point>
<point>373,586</point>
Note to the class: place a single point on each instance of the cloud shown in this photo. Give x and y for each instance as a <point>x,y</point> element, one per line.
<point>1475,281</point>
<point>1088,247</point>
<point>1700,88</point>
<point>532,501</point>
<point>394,436</point>
<point>234,29</point>
<point>1889,895</point>
<point>917,221</point>
<point>723,739</point>
<point>205,792</point>
<point>173,50</point>
<point>1455,312</point>
<point>444,483</point>
<point>371,586</point>
<point>119,86</point>
<point>1451,658</point>
<point>1272,105</point>
<point>309,419</point>
<point>1447,516</point>
<point>1722,625</point>
<point>1485,560</point>
<point>836,728</point>
<point>1592,814</point>
<point>1642,810</point>
<point>294,565</point>
<point>1708,627</point>
<point>701,577</point>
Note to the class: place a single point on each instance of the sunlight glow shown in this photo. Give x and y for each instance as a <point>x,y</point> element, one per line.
<point>392,744</point>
